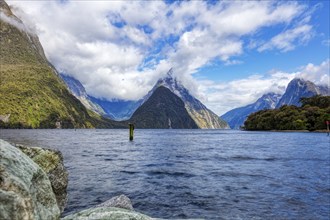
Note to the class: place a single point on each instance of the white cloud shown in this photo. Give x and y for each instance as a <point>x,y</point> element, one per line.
<point>15,22</point>
<point>224,96</point>
<point>289,39</point>
<point>104,44</point>
<point>326,43</point>
<point>318,74</point>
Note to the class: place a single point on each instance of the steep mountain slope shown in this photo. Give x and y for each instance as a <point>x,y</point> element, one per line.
<point>163,109</point>
<point>31,93</point>
<point>122,110</point>
<point>299,88</point>
<point>115,109</point>
<point>237,116</point>
<point>78,90</point>
<point>203,117</point>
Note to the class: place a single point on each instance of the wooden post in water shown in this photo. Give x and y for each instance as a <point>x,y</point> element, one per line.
<point>328,122</point>
<point>131,131</point>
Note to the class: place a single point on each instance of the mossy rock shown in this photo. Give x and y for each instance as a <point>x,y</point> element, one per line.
<point>47,159</point>
<point>25,190</point>
<point>51,162</point>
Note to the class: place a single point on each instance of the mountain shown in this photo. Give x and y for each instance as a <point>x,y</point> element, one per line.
<point>163,109</point>
<point>115,109</point>
<point>78,90</point>
<point>32,95</point>
<point>296,89</point>
<point>299,88</point>
<point>123,110</point>
<point>236,117</point>
<point>203,117</point>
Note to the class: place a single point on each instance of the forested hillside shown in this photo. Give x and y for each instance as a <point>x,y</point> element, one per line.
<point>312,115</point>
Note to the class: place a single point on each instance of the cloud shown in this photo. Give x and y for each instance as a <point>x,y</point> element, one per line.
<point>289,39</point>
<point>319,74</point>
<point>326,43</point>
<point>224,96</point>
<point>12,20</point>
<point>119,49</point>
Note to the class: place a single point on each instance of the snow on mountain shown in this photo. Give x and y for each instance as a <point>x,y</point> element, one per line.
<point>299,88</point>
<point>236,117</point>
<point>203,117</point>
<point>78,90</point>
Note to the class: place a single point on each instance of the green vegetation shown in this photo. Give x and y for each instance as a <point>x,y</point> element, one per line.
<point>32,95</point>
<point>311,116</point>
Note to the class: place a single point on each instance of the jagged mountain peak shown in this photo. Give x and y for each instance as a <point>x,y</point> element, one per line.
<point>298,88</point>
<point>203,117</point>
<point>170,73</point>
<point>163,109</point>
<point>169,81</point>
<point>269,99</point>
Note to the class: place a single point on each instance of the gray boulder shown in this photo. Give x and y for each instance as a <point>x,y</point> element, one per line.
<point>121,201</point>
<point>107,213</point>
<point>25,190</point>
<point>51,161</point>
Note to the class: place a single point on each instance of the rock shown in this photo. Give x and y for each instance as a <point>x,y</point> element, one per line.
<point>25,190</point>
<point>108,213</point>
<point>5,118</point>
<point>121,201</point>
<point>51,161</point>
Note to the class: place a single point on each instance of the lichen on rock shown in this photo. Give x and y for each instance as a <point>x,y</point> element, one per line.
<point>51,161</point>
<point>25,190</point>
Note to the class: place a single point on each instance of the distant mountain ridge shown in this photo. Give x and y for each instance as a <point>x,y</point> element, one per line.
<point>123,110</point>
<point>78,90</point>
<point>236,117</point>
<point>296,89</point>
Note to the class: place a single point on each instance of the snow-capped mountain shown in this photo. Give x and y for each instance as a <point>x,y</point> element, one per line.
<point>118,110</point>
<point>296,89</point>
<point>203,117</point>
<point>163,109</point>
<point>78,90</point>
<point>299,88</point>
<point>236,117</point>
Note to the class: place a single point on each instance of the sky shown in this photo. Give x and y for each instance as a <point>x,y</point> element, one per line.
<point>227,53</point>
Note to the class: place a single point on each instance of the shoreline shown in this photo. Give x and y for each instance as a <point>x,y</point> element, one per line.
<point>301,131</point>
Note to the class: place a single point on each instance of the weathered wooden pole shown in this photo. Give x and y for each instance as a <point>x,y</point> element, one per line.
<point>131,131</point>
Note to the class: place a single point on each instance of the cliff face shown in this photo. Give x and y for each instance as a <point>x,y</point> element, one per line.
<point>299,88</point>
<point>32,95</point>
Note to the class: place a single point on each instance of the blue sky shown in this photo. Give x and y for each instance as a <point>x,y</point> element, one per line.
<point>227,53</point>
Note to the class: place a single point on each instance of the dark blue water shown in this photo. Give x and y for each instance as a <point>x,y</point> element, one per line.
<point>211,174</point>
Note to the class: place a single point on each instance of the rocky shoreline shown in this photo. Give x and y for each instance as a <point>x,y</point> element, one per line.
<point>33,186</point>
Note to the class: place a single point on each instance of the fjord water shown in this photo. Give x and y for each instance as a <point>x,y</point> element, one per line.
<point>211,174</point>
